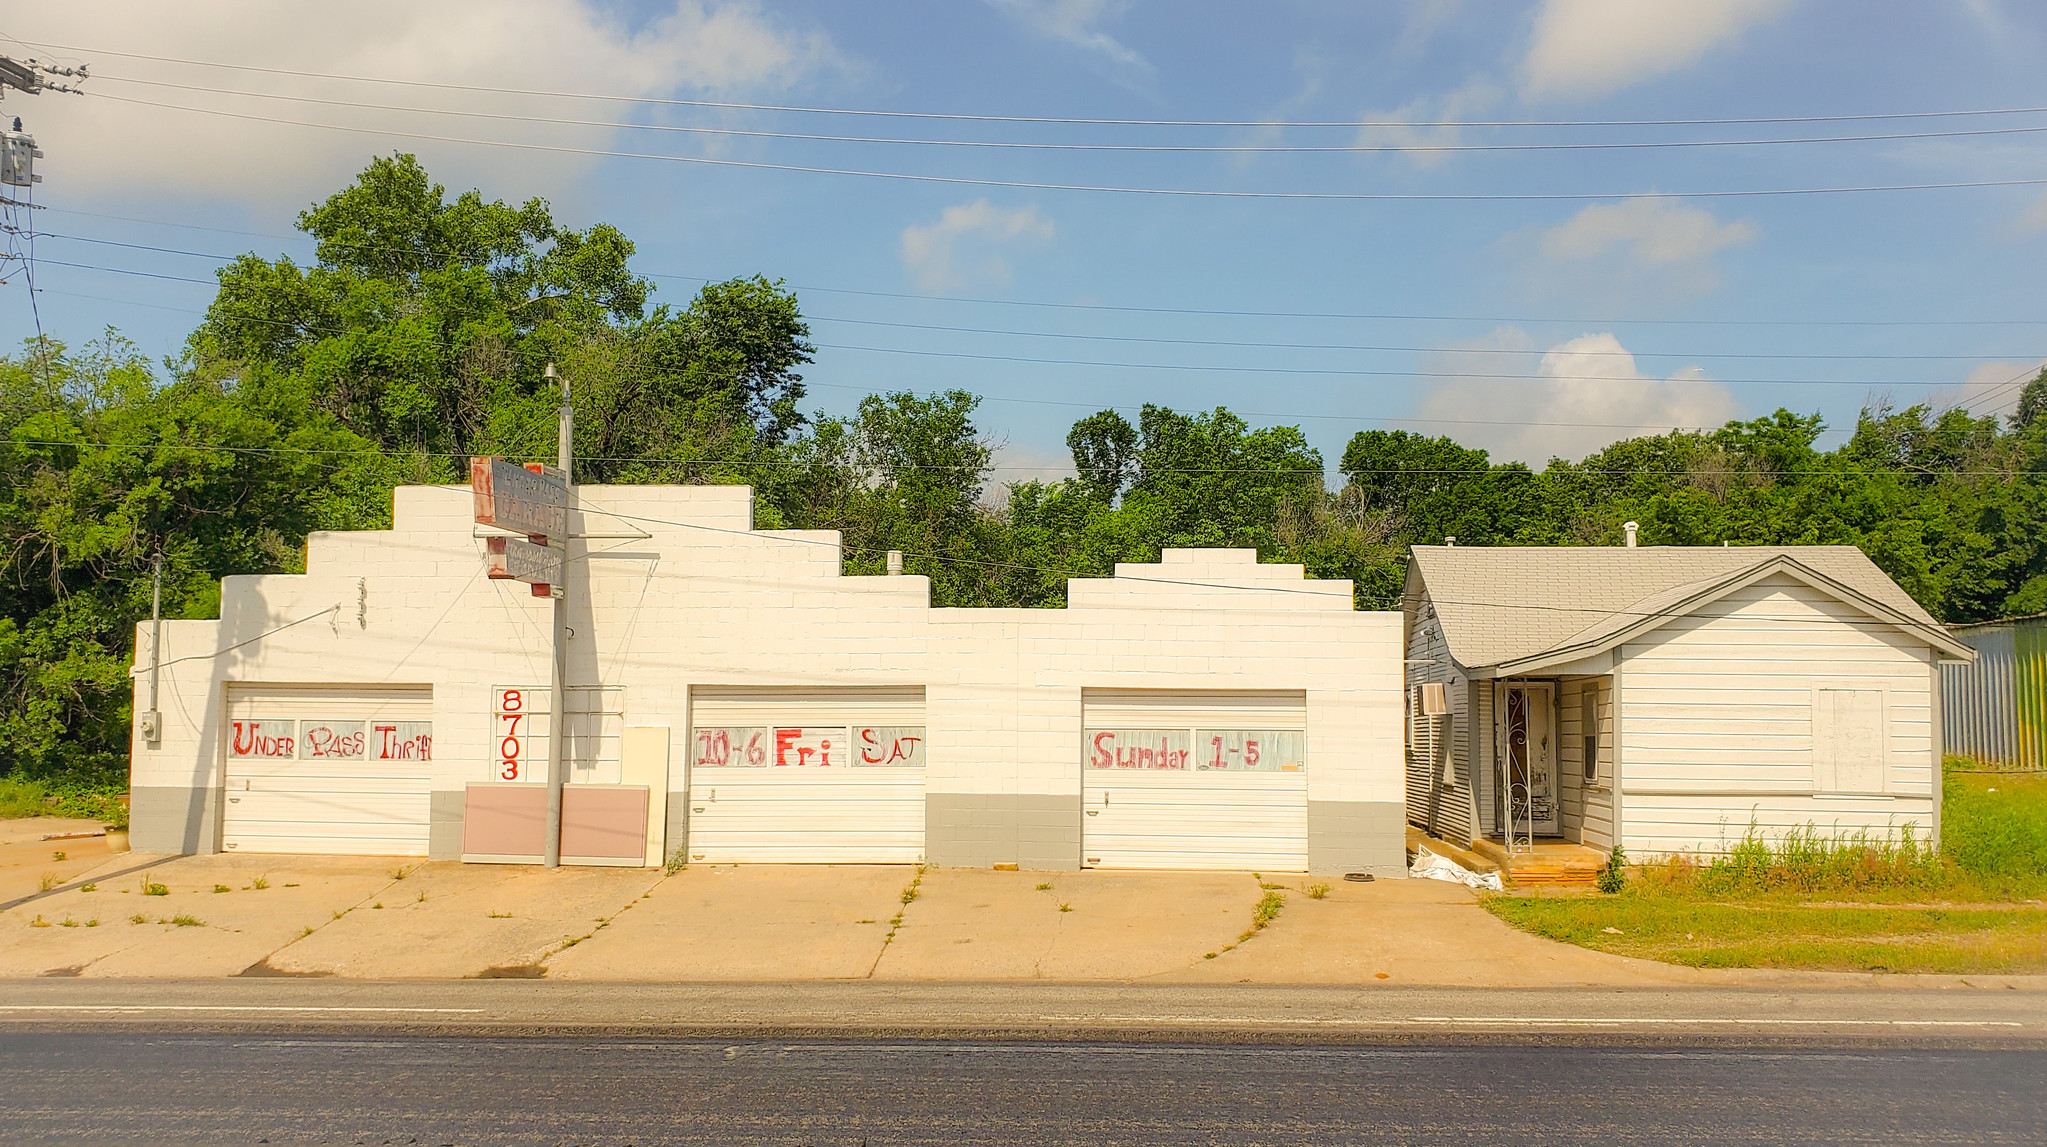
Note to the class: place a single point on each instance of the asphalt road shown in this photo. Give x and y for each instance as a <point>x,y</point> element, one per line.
<point>129,1087</point>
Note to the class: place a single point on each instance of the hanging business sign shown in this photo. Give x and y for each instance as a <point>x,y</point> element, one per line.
<point>531,500</point>
<point>516,559</point>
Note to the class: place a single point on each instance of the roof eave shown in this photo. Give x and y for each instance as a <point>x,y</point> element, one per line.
<point>1940,640</point>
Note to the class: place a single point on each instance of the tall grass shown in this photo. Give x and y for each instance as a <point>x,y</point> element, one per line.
<point>1994,829</point>
<point>1804,860</point>
<point>1993,845</point>
<point>20,796</point>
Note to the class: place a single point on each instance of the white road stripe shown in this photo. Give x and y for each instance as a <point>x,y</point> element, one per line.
<point>1521,1021</point>
<point>220,1008</point>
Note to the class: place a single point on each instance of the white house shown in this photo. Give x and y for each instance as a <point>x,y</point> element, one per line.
<point>1668,699</point>
<point>734,698</point>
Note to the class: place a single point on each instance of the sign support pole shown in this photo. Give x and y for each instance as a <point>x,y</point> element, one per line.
<point>557,725</point>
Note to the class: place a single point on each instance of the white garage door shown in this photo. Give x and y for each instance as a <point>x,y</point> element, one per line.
<point>1214,780</point>
<point>329,769</point>
<point>806,776</point>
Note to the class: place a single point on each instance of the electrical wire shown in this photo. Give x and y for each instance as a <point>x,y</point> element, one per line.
<point>1025,567</point>
<point>1210,368</point>
<point>1494,471</point>
<point>1192,311</point>
<point>1261,123</point>
<point>1107,189</point>
<point>1028,145</point>
<point>1249,344</point>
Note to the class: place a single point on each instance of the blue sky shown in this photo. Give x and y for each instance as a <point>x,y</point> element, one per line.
<point>1530,326</point>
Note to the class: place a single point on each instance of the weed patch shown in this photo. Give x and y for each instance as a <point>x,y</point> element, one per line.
<point>1863,938</point>
<point>20,797</point>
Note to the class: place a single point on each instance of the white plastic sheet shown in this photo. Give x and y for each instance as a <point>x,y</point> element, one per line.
<point>1428,866</point>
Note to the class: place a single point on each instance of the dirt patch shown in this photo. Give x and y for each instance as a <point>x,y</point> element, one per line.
<point>513,972</point>
<point>262,969</point>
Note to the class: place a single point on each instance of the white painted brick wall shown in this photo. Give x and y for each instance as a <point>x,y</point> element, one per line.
<point>727,606</point>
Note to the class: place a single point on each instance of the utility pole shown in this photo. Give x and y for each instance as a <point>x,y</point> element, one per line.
<point>151,724</point>
<point>557,726</point>
<point>18,151</point>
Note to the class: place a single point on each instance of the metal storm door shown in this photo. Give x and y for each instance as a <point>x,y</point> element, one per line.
<point>1531,760</point>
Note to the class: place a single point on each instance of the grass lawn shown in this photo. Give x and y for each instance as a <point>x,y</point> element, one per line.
<point>1792,909</point>
<point>1680,930</point>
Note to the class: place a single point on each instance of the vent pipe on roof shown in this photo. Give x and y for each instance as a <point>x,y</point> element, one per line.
<point>895,563</point>
<point>1450,539</point>
<point>1630,527</point>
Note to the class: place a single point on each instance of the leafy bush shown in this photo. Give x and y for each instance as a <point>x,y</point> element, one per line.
<point>23,796</point>
<point>1614,877</point>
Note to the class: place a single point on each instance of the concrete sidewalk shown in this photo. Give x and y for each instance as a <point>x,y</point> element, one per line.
<point>383,919</point>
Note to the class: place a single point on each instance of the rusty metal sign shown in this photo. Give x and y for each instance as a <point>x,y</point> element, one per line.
<point>515,559</point>
<point>531,500</point>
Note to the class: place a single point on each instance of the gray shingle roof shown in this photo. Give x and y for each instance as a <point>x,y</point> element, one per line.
<point>1505,603</point>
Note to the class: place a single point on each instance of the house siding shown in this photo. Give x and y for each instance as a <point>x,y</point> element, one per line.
<point>1718,729</point>
<point>1444,811</point>
<point>1587,804</point>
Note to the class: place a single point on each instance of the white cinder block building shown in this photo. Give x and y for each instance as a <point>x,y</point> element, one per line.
<point>1670,698</point>
<point>732,697</point>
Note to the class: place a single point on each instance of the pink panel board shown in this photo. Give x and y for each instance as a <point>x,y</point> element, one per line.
<point>607,822</point>
<point>507,820</point>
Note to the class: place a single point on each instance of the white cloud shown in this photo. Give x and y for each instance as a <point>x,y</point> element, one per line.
<point>1410,122</point>
<point>1010,462</point>
<point>1991,388</point>
<point>1425,18</point>
<point>1077,23</point>
<point>1655,236</point>
<point>1564,402</point>
<point>964,247</point>
<point>2033,220</point>
<point>1585,48</point>
<point>103,148</point>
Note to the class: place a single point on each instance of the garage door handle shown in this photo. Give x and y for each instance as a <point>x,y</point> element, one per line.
<point>1094,812</point>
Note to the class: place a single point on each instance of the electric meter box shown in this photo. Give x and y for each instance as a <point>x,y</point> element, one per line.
<point>18,155</point>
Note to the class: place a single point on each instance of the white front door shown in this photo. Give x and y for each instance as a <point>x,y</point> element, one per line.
<point>1531,760</point>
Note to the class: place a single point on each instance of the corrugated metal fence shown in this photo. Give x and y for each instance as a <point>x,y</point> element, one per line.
<point>1996,709</point>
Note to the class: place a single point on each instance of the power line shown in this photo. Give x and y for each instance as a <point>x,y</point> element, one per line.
<point>1256,345</point>
<point>1494,470</point>
<point>1027,567</point>
<point>1198,367</point>
<point>1168,192</point>
<point>1332,372</point>
<point>1260,123</point>
<point>1188,311</point>
<point>1033,145</point>
<point>1203,368</point>
<point>862,390</point>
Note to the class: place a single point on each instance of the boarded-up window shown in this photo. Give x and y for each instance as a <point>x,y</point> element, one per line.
<point>1848,740</point>
<point>1428,735</point>
<point>1588,727</point>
